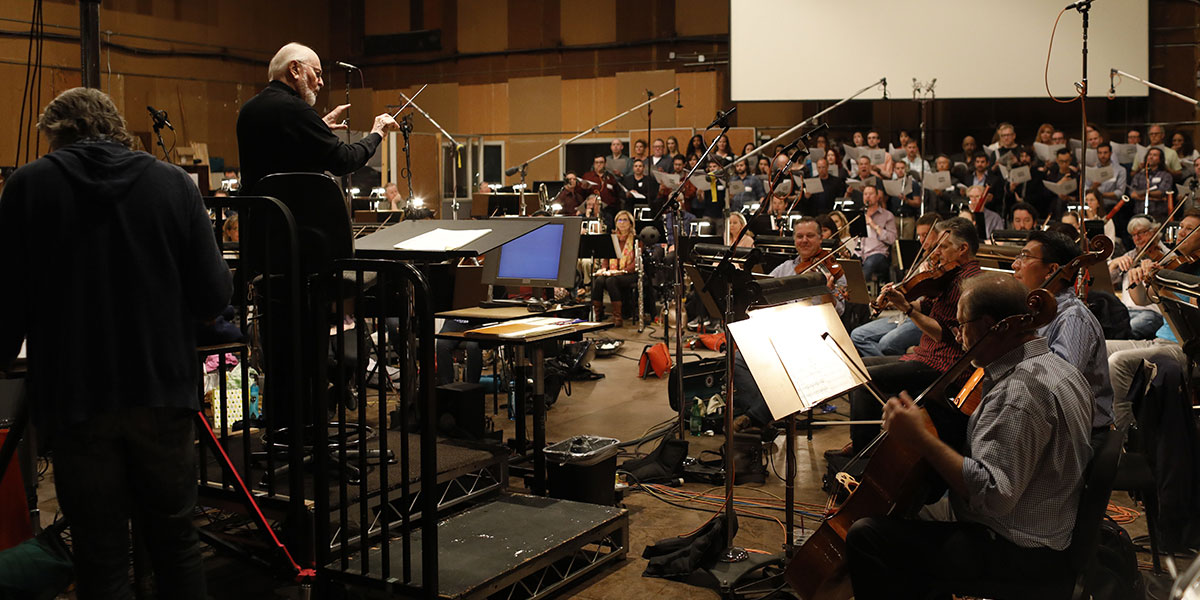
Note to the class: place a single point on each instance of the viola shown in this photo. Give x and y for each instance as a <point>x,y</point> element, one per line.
<point>893,481</point>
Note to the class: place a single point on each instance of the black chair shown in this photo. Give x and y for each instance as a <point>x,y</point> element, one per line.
<point>323,224</point>
<point>1093,504</point>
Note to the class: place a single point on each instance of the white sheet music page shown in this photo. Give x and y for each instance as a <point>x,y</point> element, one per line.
<point>795,369</point>
<point>440,240</point>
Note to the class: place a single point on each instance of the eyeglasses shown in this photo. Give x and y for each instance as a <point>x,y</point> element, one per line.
<point>1025,256</point>
<point>956,330</point>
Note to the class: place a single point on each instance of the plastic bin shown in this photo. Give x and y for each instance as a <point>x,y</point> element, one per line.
<point>583,468</point>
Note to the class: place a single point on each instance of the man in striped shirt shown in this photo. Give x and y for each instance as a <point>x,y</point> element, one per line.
<point>1016,484</point>
<point>935,317</point>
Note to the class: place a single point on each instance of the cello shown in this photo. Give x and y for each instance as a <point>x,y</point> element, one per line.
<point>893,480</point>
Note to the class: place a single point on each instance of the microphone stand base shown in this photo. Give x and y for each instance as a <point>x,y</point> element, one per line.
<point>750,577</point>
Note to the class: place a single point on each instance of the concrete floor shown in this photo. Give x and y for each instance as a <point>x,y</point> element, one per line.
<point>623,406</point>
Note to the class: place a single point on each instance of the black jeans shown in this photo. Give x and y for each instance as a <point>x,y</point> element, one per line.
<point>891,375</point>
<point>891,557</point>
<point>137,463</point>
<point>615,284</point>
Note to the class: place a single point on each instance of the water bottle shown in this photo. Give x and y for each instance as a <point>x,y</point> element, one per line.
<point>696,423</point>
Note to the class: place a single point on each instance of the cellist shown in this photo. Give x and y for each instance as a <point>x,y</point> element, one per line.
<point>1015,486</point>
<point>937,350</point>
<point>1075,333</point>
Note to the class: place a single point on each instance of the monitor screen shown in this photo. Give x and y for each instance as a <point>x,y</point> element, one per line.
<point>545,257</point>
<point>534,255</point>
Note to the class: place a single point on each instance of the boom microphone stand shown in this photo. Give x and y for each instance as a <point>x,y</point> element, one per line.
<point>1084,9</point>
<point>809,121</point>
<point>673,204</point>
<point>456,159</point>
<point>346,182</point>
<point>513,170</point>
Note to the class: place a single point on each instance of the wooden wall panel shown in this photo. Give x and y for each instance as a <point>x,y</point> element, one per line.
<point>426,172</point>
<point>534,24</point>
<point>521,148</point>
<point>700,102</point>
<point>483,109</point>
<point>770,113</point>
<point>487,24</point>
<point>535,104</point>
<point>587,102</point>
<point>702,17</point>
<point>588,22</point>
<point>387,16</point>
<point>631,91</point>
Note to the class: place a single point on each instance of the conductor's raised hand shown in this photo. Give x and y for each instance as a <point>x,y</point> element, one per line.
<point>384,123</point>
<point>334,118</point>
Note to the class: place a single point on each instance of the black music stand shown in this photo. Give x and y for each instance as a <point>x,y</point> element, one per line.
<point>382,243</point>
<point>597,245</point>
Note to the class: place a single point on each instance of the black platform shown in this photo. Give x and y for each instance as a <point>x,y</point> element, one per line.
<point>514,547</point>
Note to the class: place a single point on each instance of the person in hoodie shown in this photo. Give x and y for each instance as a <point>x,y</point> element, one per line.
<point>107,300</point>
<point>279,132</point>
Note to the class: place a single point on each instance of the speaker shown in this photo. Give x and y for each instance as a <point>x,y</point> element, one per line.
<point>461,410</point>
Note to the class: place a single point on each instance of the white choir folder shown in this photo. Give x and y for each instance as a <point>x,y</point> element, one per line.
<point>795,368</point>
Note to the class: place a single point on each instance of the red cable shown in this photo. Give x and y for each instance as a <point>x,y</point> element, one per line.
<point>301,573</point>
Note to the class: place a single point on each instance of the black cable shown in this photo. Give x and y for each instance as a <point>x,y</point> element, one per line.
<point>41,37</point>
<point>25,93</point>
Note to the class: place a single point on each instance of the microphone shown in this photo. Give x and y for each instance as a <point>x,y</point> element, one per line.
<point>1080,5</point>
<point>722,116</point>
<point>678,104</point>
<point>818,129</point>
<point>160,118</point>
<point>511,171</point>
<point>347,66</point>
<point>885,88</point>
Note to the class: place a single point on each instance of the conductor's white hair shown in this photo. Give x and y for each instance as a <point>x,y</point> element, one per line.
<point>283,58</point>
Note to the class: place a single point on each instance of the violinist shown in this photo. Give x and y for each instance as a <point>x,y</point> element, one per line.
<point>1143,320</point>
<point>1075,334</point>
<point>1014,487</point>
<point>750,402</point>
<point>886,335</point>
<point>881,233</point>
<point>1124,356</point>
<point>807,236</point>
<point>600,181</point>
<point>934,316</point>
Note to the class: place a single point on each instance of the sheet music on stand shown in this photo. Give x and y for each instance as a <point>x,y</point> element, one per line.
<point>795,368</point>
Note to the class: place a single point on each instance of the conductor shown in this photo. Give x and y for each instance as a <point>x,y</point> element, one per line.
<point>279,131</point>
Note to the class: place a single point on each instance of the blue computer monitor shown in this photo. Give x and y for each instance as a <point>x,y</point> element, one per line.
<point>544,257</point>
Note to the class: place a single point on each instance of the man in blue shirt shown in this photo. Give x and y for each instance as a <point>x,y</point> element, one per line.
<point>1075,333</point>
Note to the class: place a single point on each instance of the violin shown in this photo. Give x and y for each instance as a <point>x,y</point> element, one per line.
<point>824,261</point>
<point>893,481</point>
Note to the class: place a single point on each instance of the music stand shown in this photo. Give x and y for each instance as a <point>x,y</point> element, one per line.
<point>856,283</point>
<point>381,244</point>
<point>597,245</point>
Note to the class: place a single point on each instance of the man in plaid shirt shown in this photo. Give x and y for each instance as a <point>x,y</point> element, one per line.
<point>1015,486</point>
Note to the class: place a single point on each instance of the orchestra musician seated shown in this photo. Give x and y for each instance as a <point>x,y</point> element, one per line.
<point>881,233</point>
<point>954,261</point>
<point>620,274</point>
<point>1144,321</point>
<point>1024,217</point>
<point>1014,487</point>
<point>1075,334</point>
<point>885,336</point>
<point>571,196</point>
<point>734,224</point>
<point>1124,356</point>
<point>749,404</point>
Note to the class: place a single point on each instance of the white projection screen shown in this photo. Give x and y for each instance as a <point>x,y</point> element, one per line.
<point>829,49</point>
